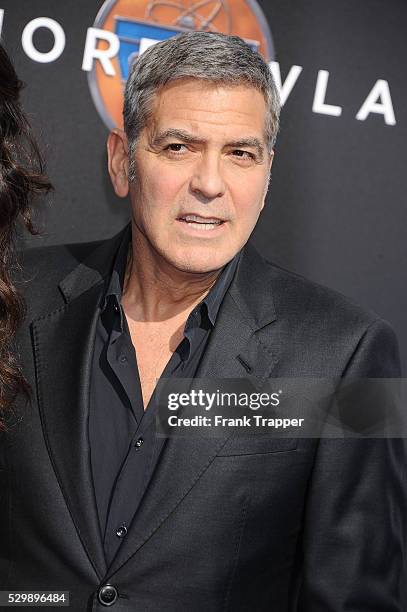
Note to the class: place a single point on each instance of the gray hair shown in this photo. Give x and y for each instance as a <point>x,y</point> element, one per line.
<point>213,57</point>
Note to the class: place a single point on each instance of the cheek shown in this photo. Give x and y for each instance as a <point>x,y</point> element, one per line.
<point>165,180</point>
<point>161,188</point>
<point>248,198</point>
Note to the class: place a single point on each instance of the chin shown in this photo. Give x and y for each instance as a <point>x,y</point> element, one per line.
<point>200,263</point>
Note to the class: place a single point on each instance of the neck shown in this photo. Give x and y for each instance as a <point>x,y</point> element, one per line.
<point>156,291</point>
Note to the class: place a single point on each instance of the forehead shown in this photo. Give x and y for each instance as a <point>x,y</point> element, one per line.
<point>209,109</point>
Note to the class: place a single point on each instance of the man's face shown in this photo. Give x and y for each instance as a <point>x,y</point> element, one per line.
<point>202,170</point>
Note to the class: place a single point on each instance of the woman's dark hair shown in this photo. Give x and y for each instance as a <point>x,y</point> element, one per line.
<point>21,178</point>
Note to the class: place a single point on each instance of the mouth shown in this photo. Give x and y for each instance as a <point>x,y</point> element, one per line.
<point>201,223</point>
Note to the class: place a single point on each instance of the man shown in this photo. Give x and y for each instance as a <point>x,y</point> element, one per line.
<point>97,504</point>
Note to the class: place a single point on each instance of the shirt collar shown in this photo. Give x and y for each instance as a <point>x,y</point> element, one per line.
<point>116,280</point>
<point>215,296</point>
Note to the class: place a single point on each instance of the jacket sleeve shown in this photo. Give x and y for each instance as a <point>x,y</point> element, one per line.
<point>354,537</point>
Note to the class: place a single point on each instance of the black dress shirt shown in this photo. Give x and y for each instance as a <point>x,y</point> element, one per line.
<point>123,443</point>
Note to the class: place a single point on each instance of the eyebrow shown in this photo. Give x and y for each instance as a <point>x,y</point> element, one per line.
<point>252,143</point>
<point>161,137</point>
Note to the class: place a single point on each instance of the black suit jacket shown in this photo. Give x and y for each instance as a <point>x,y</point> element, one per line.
<point>243,524</point>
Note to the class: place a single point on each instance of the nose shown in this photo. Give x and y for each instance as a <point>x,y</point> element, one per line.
<point>207,181</point>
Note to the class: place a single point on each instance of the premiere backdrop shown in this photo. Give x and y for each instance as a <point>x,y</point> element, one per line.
<point>336,209</point>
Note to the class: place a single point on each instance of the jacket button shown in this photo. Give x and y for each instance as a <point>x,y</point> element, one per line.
<point>107,595</point>
<point>121,531</point>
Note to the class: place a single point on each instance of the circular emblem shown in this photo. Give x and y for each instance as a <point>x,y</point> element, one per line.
<point>140,23</point>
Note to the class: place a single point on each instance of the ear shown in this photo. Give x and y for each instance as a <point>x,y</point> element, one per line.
<point>118,161</point>
<point>270,163</point>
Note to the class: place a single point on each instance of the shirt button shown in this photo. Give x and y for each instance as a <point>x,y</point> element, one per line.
<point>139,443</point>
<point>107,595</point>
<point>121,531</point>
<point>116,307</point>
<point>123,359</point>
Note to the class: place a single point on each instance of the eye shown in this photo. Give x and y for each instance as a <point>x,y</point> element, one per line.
<point>176,147</point>
<point>241,154</point>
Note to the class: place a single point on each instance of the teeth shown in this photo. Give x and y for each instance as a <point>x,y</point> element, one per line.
<point>201,220</point>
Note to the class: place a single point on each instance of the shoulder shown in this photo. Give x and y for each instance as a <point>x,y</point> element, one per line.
<point>59,258</point>
<point>296,295</point>
<point>41,269</point>
<point>52,263</point>
<point>293,296</point>
<point>321,325</point>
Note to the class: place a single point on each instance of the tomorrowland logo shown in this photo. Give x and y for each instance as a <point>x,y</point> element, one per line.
<point>125,28</point>
<point>138,24</point>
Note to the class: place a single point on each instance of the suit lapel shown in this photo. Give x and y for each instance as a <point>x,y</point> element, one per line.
<point>63,350</point>
<point>238,348</point>
<point>63,343</point>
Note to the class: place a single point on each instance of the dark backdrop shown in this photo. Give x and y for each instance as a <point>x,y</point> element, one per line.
<point>336,208</point>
